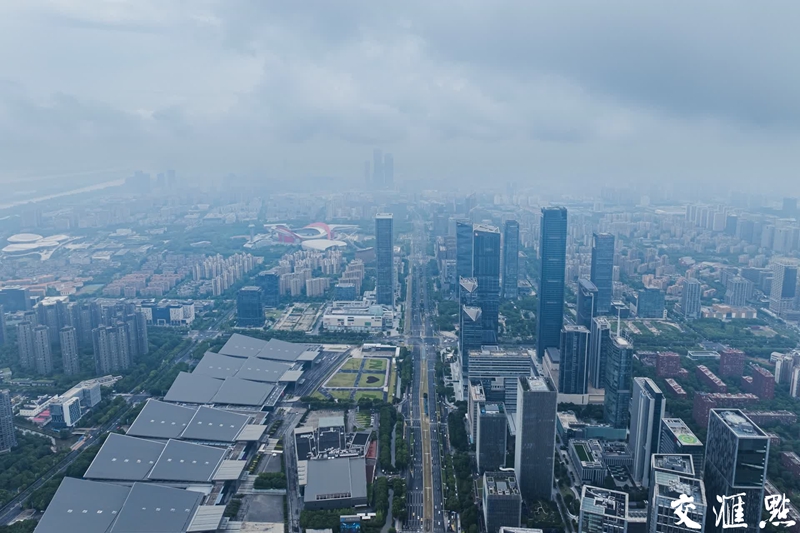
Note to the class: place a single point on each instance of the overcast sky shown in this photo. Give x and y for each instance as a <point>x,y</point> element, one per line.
<point>524,91</point>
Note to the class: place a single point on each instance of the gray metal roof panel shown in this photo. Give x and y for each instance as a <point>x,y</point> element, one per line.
<point>235,391</point>
<point>218,365</point>
<point>157,509</point>
<point>161,420</point>
<point>229,470</point>
<point>193,388</point>
<point>265,370</point>
<point>124,458</point>
<point>336,476</point>
<point>207,518</point>
<point>215,425</point>
<point>81,506</point>
<point>282,350</point>
<point>242,346</point>
<point>185,461</point>
<point>251,432</point>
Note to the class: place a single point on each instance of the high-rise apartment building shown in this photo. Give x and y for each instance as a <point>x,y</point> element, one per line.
<point>573,376</point>
<point>602,273</point>
<point>673,479</point>
<point>25,345</point>
<point>536,438</point>
<point>784,287</point>
<point>619,365</point>
<point>599,346</point>
<point>384,257</point>
<point>737,452</point>
<point>552,250</point>
<point>677,439</point>
<point>502,502</point>
<point>690,299</point>
<point>738,291</point>
<point>69,351</point>
<point>647,411</point>
<point>587,303</point>
<point>486,271</point>
<point>249,307</point>
<point>111,348</point>
<point>8,436</point>
<point>510,259</point>
<point>42,354</point>
<point>464,248</point>
<point>490,445</point>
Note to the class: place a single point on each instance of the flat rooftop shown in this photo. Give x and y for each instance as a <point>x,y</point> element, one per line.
<point>681,431</point>
<point>534,384</point>
<point>739,423</point>
<point>604,502</point>
<point>162,420</point>
<point>340,478</point>
<point>200,389</point>
<point>677,463</point>
<point>500,483</point>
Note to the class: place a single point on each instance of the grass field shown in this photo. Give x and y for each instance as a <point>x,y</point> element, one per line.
<point>318,395</point>
<point>352,364</point>
<point>371,381</point>
<point>375,364</point>
<point>369,394</point>
<point>340,394</point>
<point>342,379</point>
<point>392,381</point>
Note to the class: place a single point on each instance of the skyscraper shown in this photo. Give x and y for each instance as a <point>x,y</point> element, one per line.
<point>8,437</point>
<point>510,259</point>
<point>599,346</point>
<point>502,503</point>
<point>677,438</point>
<point>603,511</point>
<point>619,365</point>
<point>490,445</point>
<point>464,248</point>
<point>650,303</point>
<point>468,291</point>
<point>470,335</point>
<point>486,270</point>
<point>572,374</point>
<point>249,307</point>
<point>43,356</point>
<point>536,438</point>
<point>270,284</point>
<point>784,287</point>
<point>388,171</point>
<point>647,410</point>
<point>384,256</point>
<point>377,168</point>
<point>111,348</point>
<point>674,479</point>
<point>25,345</point>
<point>737,451</point>
<point>69,351</point>
<point>602,274</point>
<point>587,302</point>
<point>690,299</point>
<point>552,249</point>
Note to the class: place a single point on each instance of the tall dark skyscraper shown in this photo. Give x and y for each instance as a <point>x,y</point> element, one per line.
<point>602,274</point>
<point>737,451</point>
<point>486,270</point>
<point>464,248</point>
<point>553,250</point>
<point>249,307</point>
<point>384,257</point>
<point>619,367</point>
<point>510,259</point>
<point>647,410</point>
<point>270,284</point>
<point>470,335</point>
<point>573,368</point>
<point>536,438</point>
<point>599,346</point>
<point>587,302</point>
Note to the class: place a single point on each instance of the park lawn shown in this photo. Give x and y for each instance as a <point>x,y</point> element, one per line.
<point>375,395</point>
<point>392,380</point>
<point>352,364</point>
<point>375,364</point>
<point>371,381</point>
<point>317,394</point>
<point>342,379</point>
<point>363,418</point>
<point>340,394</point>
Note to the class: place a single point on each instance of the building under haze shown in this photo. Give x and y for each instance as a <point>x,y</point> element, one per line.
<point>599,346</point>
<point>510,259</point>
<point>586,303</point>
<point>464,248</point>
<point>647,411</point>
<point>42,353</point>
<point>784,287</point>
<point>573,377</point>
<point>486,271</point>
<point>690,299</point>
<point>602,273</point>
<point>250,307</point>
<point>618,383</point>
<point>384,258</point>
<point>536,438</point>
<point>69,351</point>
<point>552,251</point>
<point>470,334</point>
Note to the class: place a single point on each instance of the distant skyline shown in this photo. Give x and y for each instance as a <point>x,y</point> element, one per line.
<point>535,93</point>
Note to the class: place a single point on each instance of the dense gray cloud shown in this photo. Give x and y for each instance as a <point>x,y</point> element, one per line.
<point>470,90</point>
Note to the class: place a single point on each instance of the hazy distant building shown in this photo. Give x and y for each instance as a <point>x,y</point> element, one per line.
<point>384,256</point>
<point>784,288</point>
<point>510,259</point>
<point>573,367</point>
<point>25,345</point>
<point>270,283</point>
<point>249,307</point>
<point>464,248</point>
<point>619,367</point>
<point>587,303</point>
<point>650,303</point>
<point>647,410</point>
<point>388,171</point>
<point>552,251</point>
<point>8,434</point>
<point>690,300</point>
<point>15,299</point>
<point>2,326</point>
<point>602,273</point>
<point>502,502</point>
<point>69,351</point>
<point>535,438</point>
<point>737,451</point>
<point>486,271</point>
<point>111,348</point>
<point>468,292</point>
<point>377,168</point>
<point>490,449</point>
<point>42,354</point>
<point>738,291</point>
